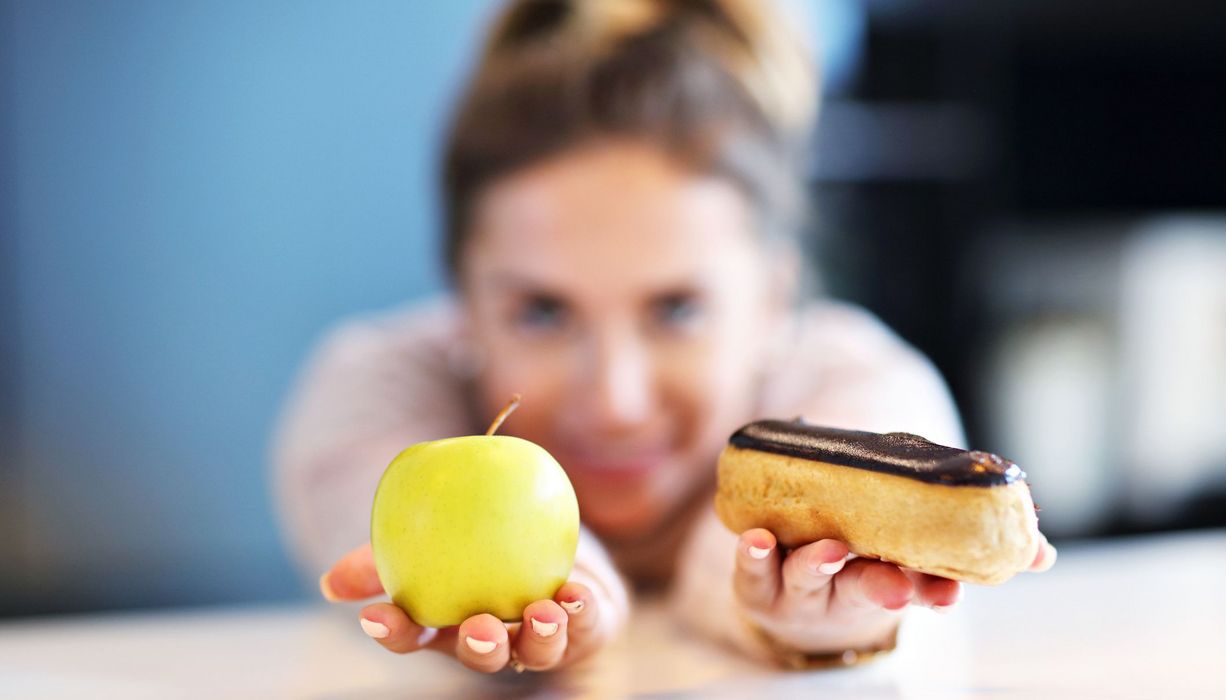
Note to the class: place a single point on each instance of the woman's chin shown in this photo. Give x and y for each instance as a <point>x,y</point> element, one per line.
<point>619,524</point>
<point>625,503</point>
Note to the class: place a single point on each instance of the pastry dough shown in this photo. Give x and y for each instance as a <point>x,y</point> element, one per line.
<point>894,496</point>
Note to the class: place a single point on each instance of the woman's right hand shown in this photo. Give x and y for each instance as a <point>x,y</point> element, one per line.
<point>553,633</point>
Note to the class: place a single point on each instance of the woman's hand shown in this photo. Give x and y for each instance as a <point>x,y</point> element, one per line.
<point>553,633</point>
<point>817,599</point>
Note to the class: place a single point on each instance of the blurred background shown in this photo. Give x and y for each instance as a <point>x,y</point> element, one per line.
<point>1031,191</point>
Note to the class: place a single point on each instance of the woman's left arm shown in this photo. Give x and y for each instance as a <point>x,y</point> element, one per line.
<point>742,590</point>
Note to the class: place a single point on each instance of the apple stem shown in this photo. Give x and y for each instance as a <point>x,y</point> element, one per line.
<point>502,415</point>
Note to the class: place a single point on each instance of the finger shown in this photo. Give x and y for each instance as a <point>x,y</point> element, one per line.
<point>756,578</point>
<point>1046,556</point>
<point>482,643</point>
<point>391,627</point>
<point>809,569</point>
<point>867,583</point>
<point>583,620</point>
<point>542,638</point>
<point>936,592</point>
<point>580,606</point>
<point>353,577</point>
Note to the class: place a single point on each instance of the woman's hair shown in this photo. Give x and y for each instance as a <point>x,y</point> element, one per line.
<point>722,85</point>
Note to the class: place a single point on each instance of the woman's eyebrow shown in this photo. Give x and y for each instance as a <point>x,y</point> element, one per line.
<point>518,283</point>
<point>506,281</point>
<point>679,289</point>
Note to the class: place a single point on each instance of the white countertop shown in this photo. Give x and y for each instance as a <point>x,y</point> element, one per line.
<point>1136,618</point>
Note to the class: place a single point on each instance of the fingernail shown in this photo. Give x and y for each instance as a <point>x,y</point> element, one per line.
<point>374,629</point>
<point>325,589</point>
<point>572,606</point>
<point>831,567</point>
<point>943,609</point>
<point>480,645</point>
<point>1049,558</point>
<point>758,552</point>
<point>545,629</point>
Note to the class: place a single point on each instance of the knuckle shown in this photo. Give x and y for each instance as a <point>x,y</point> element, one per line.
<point>579,590</point>
<point>584,615</point>
<point>485,665</point>
<point>540,662</point>
<point>796,590</point>
<point>402,650</point>
<point>747,593</point>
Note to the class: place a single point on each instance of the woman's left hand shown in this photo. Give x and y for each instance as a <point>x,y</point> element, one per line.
<point>817,599</point>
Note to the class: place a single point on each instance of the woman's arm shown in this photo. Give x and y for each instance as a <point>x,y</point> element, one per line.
<point>372,388</point>
<point>883,389</point>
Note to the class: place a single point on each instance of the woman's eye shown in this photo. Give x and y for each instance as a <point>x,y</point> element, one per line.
<point>541,313</point>
<point>677,310</point>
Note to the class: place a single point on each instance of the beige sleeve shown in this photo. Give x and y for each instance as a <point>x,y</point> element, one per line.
<point>373,387</point>
<point>594,568</point>
<point>852,373</point>
<point>701,595</point>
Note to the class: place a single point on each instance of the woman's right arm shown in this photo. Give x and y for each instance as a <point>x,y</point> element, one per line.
<point>372,389</point>
<point>585,614</point>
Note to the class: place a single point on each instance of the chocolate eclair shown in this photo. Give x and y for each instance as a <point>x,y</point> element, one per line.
<point>965,515</point>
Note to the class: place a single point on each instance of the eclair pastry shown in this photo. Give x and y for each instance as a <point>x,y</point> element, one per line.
<point>894,496</point>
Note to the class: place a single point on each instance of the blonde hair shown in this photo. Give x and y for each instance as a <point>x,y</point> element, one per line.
<point>724,85</point>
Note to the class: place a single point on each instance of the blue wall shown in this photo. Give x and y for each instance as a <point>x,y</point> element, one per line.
<point>196,190</point>
<point>190,193</point>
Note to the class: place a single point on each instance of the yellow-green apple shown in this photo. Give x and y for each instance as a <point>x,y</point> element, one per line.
<point>466,525</point>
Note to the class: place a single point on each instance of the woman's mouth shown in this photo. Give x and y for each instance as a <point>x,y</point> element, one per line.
<point>615,465</point>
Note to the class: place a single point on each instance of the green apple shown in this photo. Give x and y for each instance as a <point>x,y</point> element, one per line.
<point>475,524</point>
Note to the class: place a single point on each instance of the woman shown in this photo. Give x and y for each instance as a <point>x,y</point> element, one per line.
<point>619,195</point>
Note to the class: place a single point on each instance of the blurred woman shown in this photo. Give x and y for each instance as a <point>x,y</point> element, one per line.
<point>621,195</point>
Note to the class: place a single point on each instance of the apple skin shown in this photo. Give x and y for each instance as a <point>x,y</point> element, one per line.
<point>475,524</point>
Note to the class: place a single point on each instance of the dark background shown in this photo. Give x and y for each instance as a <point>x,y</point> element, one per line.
<point>1051,128</point>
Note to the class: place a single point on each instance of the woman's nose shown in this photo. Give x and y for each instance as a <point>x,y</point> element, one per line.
<point>619,387</point>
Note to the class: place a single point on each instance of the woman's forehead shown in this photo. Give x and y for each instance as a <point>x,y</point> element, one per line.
<point>615,255</point>
<point>605,214</point>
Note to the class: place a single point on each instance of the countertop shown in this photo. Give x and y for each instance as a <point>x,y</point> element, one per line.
<point>1139,617</point>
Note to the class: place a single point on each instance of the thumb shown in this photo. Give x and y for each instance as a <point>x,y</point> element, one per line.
<point>352,577</point>
<point>1046,556</point>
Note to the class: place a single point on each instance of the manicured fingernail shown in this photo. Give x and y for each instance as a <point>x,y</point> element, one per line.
<point>325,589</point>
<point>572,606</point>
<point>545,629</point>
<point>831,567</point>
<point>758,552</point>
<point>1049,557</point>
<point>374,629</point>
<point>480,645</point>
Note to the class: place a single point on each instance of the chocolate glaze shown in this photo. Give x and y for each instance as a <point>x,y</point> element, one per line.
<point>902,454</point>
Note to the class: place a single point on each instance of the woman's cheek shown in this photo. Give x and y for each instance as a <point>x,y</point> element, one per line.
<point>696,381</point>
<point>513,366</point>
<point>721,377</point>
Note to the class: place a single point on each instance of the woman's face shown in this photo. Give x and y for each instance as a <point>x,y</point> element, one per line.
<point>630,301</point>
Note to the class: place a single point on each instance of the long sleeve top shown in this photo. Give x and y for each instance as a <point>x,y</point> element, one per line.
<point>380,382</point>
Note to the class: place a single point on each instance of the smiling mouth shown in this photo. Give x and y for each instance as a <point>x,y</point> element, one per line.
<point>617,463</point>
